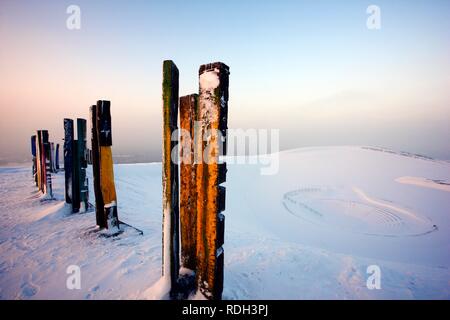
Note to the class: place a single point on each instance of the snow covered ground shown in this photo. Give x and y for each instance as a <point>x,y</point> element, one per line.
<point>308,232</point>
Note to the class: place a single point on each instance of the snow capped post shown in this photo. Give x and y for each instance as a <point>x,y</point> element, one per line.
<point>212,114</point>
<point>188,194</point>
<point>82,164</point>
<point>68,159</point>
<point>170,254</point>
<point>96,169</point>
<point>108,188</point>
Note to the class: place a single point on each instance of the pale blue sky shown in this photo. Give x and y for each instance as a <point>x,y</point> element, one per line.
<point>310,68</point>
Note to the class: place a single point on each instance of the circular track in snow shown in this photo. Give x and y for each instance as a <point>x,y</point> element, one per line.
<point>353,211</point>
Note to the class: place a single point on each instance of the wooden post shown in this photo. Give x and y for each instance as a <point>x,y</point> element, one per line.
<point>82,161</point>
<point>212,113</point>
<point>75,178</point>
<point>104,132</point>
<point>45,163</point>
<point>188,192</point>
<point>39,159</point>
<point>99,206</point>
<point>68,158</point>
<point>48,165</point>
<point>52,157</point>
<point>57,157</point>
<point>170,181</point>
<point>33,153</point>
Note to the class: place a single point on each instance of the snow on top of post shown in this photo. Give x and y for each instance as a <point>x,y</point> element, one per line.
<point>209,80</point>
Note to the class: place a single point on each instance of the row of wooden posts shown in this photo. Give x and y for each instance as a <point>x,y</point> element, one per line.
<point>76,158</point>
<point>45,161</point>
<point>193,198</point>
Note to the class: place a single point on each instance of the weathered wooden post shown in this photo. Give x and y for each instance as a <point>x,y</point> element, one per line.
<point>52,157</point>
<point>46,185</point>
<point>104,132</point>
<point>57,157</point>
<point>48,164</point>
<point>75,178</point>
<point>170,254</point>
<point>68,158</point>
<point>212,113</point>
<point>188,192</point>
<point>95,148</point>
<point>33,153</point>
<point>39,168</point>
<point>82,162</point>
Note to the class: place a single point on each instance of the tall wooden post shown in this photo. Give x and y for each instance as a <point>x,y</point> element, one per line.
<point>188,192</point>
<point>45,163</point>
<point>57,157</point>
<point>212,113</point>
<point>33,153</point>
<point>39,159</point>
<point>68,158</point>
<point>99,206</point>
<point>48,164</point>
<point>75,177</point>
<point>52,157</point>
<point>170,181</point>
<point>82,160</point>
<point>104,132</point>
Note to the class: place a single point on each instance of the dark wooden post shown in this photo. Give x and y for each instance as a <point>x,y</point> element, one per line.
<point>57,157</point>
<point>99,206</point>
<point>52,157</point>
<point>48,164</point>
<point>170,254</point>
<point>212,113</point>
<point>82,159</point>
<point>39,159</point>
<point>33,153</point>
<point>188,192</point>
<point>104,132</point>
<point>45,163</point>
<point>75,177</point>
<point>68,158</point>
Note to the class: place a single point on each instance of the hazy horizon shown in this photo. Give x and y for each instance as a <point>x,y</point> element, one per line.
<point>311,69</point>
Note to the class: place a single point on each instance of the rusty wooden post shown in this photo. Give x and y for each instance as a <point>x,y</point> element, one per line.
<point>212,114</point>
<point>96,170</point>
<point>170,245</point>
<point>68,158</point>
<point>188,192</point>
<point>108,188</point>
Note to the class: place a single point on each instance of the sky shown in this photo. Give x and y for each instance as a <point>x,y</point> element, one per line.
<point>311,69</point>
